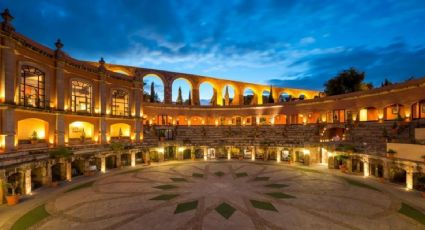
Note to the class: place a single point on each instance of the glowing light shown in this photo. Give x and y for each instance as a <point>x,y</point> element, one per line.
<point>96,110</point>
<point>160,150</point>
<point>216,122</point>
<point>306,152</point>
<point>181,149</point>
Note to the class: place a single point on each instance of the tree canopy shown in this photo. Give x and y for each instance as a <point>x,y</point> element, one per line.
<point>347,81</point>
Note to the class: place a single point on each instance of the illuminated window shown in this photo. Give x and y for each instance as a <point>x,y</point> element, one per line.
<point>120,103</point>
<point>81,96</point>
<point>31,88</point>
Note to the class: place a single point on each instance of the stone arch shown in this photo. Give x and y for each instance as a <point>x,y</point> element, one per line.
<point>32,131</point>
<point>265,95</point>
<point>394,112</point>
<point>186,88</point>
<point>232,95</point>
<point>207,98</point>
<point>284,96</point>
<point>120,130</point>
<point>159,87</point>
<point>249,96</point>
<point>80,132</point>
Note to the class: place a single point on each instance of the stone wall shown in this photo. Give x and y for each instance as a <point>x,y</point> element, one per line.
<point>294,135</point>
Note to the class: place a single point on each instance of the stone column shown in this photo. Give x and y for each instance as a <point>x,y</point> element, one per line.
<point>27,181</point>
<point>205,153</point>
<point>278,155</point>
<point>60,130</point>
<point>228,153</point>
<point>349,165</point>
<point>2,192</point>
<point>8,128</point>
<point>133,159</point>
<point>358,166</point>
<point>103,128</point>
<point>137,130</point>
<point>137,97</point>
<point>409,177</point>
<point>102,164</point>
<point>9,70</point>
<point>47,175</point>
<point>60,85</point>
<point>366,168</point>
<point>292,155</point>
<point>118,160</point>
<point>195,95</point>
<point>386,168</point>
<point>147,158</point>
<point>168,91</point>
<point>68,169</point>
<point>253,153</point>
<point>307,159</point>
<point>102,97</point>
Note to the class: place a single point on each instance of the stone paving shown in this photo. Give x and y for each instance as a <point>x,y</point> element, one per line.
<point>224,195</point>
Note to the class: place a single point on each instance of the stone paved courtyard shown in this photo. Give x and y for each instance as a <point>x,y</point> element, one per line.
<point>225,195</point>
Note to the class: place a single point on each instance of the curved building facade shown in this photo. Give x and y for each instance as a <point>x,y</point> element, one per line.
<point>100,111</point>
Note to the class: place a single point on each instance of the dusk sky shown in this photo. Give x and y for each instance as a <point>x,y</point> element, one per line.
<point>287,43</point>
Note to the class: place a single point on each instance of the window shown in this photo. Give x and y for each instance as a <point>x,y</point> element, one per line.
<point>31,88</point>
<point>81,96</point>
<point>120,103</point>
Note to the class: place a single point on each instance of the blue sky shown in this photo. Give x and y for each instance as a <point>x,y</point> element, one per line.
<point>287,43</point>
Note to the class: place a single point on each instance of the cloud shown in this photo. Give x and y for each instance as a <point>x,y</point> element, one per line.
<point>285,42</point>
<point>307,40</point>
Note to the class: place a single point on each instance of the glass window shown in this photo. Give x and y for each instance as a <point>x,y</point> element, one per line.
<point>120,103</point>
<point>81,96</point>
<point>31,88</point>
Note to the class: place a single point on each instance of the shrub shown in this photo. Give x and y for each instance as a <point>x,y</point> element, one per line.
<point>61,152</point>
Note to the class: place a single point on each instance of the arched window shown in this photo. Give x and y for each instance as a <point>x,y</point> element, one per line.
<point>119,103</point>
<point>81,96</point>
<point>31,88</point>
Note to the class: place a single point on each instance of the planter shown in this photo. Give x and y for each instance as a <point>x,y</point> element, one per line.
<point>54,184</point>
<point>12,200</point>
<point>162,138</point>
<point>390,156</point>
<point>343,168</point>
<point>33,142</point>
<point>240,157</point>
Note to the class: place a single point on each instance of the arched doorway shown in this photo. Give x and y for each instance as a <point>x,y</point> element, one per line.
<point>80,132</point>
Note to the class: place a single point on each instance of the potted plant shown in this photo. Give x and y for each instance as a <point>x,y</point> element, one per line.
<point>390,153</point>
<point>61,152</point>
<point>83,136</point>
<point>161,135</point>
<point>12,198</point>
<point>341,158</point>
<point>34,137</point>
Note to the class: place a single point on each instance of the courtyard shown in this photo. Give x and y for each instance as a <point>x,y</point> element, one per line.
<point>223,195</point>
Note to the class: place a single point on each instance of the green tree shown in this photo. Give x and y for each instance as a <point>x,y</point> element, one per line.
<point>189,100</point>
<point>270,98</point>
<point>179,97</point>
<point>347,81</point>
<point>386,83</point>
<point>152,95</point>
